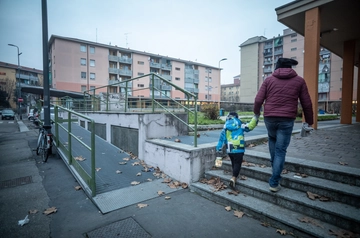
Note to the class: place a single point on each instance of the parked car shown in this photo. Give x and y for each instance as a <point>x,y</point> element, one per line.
<point>7,114</point>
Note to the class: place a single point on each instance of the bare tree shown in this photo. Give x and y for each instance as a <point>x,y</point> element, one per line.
<point>8,86</point>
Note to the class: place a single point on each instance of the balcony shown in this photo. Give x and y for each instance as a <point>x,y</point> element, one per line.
<point>165,76</point>
<point>268,46</point>
<point>113,58</point>
<point>191,90</point>
<point>125,72</point>
<point>267,62</point>
<point>267,70</point>
<point>155,65</point>
<point>112,81</point>
<point>196,90</point>
<point>196,81</point>
<point>166,66</point>
<point>123,85</point>
<point>189,71</point>
<point>278,52</point>
<point>266,53</point>
<point>125,60</point>
<point>113,71</point>
<point>166,87</point>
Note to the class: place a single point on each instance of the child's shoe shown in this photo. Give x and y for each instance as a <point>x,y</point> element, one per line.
<point>232,182</point>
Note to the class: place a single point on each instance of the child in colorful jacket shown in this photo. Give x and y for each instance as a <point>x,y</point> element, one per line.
<point>232,136</point>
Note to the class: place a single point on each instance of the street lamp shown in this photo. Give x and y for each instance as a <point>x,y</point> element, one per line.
<point>220,80</point>
<point>18,78</point>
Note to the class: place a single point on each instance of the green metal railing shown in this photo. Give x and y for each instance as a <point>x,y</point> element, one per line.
<point>88,178</point>
<point>190,97</point>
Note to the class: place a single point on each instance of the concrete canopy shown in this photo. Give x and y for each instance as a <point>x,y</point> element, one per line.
<point>339,22</point>
<point>53,92</point>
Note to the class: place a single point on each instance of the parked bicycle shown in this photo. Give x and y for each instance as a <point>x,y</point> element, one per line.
<point>44,143</point>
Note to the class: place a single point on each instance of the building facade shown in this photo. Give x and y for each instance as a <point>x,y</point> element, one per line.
<point>79,65</point>
<point>10,77</point>
<point>231,92</point>
<point>259,56</point>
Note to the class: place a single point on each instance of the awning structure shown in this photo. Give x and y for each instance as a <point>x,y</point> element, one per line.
<point>53,92</point>
<point>333,24</point>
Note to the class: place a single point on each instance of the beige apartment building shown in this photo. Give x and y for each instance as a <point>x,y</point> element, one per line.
<point>10,77</point>
<point>79,65</point>
<point>231,92</point>
<point>259,56</point>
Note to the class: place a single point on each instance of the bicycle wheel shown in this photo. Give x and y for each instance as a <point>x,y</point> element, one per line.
<point>44,150</point>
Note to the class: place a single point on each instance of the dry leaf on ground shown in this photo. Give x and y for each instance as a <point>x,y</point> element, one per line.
<point>78,188</point>
<point>342,234</point>
<point>167,180</point>
<point>265,224</point>
<point>248,164</point>
<point>33,211</point>
<point>282,232</point>
<point>243,177</point>
<point>149,179</point>
<point>228,208</point>
<point>263,166</point>
<point>160,193</point>
<point>251,145</point>
<point>301,175</point>
<point>141,205</point>
<point>126,159</point>
<point>184,185</point>
<point>138,174</point>
<point>167,198</point>
<point>343,163</point>
<point>50,210</point>
<point>312,196</point>
<point>135,163</point>
<point>177,140</point>
<point>238,214</point>
<point>118,171</point>
<point>122,163</point>
<point>310,221</point>
<point>234,192</point>
<point>135,183</point>
<point>79,158</point>
<point>324,199</point>
<point>97,169</point>
<point>285,171</point>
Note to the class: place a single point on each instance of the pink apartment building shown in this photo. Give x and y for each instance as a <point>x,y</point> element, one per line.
<point>79,65</point>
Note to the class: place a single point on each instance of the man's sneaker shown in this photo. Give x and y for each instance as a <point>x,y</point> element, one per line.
<point>232,182</point>
<point>275,189</point>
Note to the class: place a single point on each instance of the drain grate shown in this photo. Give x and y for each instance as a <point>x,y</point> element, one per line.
<point>124,228</point>
<point>15,182</point>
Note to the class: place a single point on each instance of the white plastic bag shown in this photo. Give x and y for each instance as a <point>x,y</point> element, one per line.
<point>23,222</point>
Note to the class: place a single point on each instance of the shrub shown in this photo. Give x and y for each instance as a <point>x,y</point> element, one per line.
<point>211,111</point>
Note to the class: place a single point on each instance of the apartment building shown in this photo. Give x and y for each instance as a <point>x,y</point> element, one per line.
<point>79,65</point>
<point>10,77</point>
<point>259,56</point>
<point>231,92</point>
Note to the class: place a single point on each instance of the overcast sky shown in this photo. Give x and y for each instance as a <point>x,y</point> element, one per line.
<point>197,30</point>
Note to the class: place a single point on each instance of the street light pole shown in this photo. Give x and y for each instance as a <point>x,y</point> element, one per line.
<point>18,79</point>
<point>220,80</point>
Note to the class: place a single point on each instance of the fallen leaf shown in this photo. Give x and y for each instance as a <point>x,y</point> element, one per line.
<point>285,171</point>
<point>234,192</point>
<point>160,193</point>
<point>172,185</point>
<point>184,185</point>
<point>301,175</point>
<point>79,158</point>
<point>343,163</point>
<point>135,164</point>
<point>282,232</point>
<point>167,198</point>
<point>310,220</point>
<point>167,180</point>
<point>312,196</point>
<point>141,205</point>
<point>228,208</point>
<point>243,177</point>
<point>263,166</point>
<point>138,174</point>
<point>97,169</point>
<point>77,188</point>
<point>149,179</point>
<point>251,145</point>
<point>122,163</point>
<point>177,140</point>
<point>265,224</point>
<point>324,199</point>
<point>248,164</point>
<point>342,233</point>
<point>33,211</point>
<point>50,210</point>
<point>135,183</point>
<point>118,171</point>
<point>126,159</point>
<point>238,214</point>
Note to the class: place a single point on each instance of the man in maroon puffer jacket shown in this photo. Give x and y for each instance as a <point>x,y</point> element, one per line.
<point>281,93</point>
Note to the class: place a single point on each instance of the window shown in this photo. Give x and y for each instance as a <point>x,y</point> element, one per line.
<point>83,75</point>
<point>83,48</point>
<point>177,98</point>
<point>293,35</point>
<point>92,76</point>
<point>293,40</point>
<point>177,69</point>
<point>92,63</point>
<point>139,74</point>
<point>83,61</point>
<point>293,49</point>
<point>92,49</point>
<point>54,59</point>
<point>141,62</point>
<point>207,79</point>
<point>54,73</point>
<point>92,87</point>
<point>176,78</point>
<point>83,88</point>
<point>140,85</point>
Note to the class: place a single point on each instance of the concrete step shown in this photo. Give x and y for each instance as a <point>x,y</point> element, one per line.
<point>267,212</point>
<point>335,213</point>
<point>336,191</point>
<point>331,172</point>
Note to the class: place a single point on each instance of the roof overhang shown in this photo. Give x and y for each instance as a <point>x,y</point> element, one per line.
<point>53,92</point>
<point>338,22</point>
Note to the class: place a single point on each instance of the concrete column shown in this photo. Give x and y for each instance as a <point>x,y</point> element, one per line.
<point>347,82</point>
<point>311,56</point>
<point>358,96</point>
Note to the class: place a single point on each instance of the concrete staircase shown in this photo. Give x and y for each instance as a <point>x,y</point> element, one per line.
<point>291,209</point>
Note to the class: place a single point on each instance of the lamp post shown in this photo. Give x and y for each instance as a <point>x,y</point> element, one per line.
<point>220,80</point>
<point>18,79</point>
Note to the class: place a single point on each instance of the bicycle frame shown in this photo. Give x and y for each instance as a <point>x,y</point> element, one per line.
<point>44,143</point>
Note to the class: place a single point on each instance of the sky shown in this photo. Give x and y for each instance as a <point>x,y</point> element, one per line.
<point>203,31</point>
